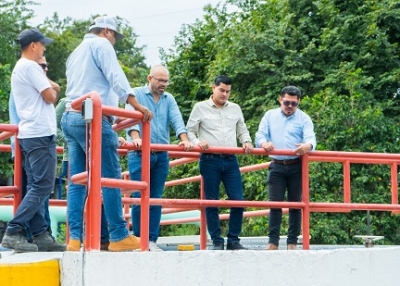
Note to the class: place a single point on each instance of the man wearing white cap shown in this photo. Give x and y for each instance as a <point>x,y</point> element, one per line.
<point>34,96</point>
<point>93,65</point>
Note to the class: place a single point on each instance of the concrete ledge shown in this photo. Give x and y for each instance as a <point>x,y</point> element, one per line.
<point>360,266</point>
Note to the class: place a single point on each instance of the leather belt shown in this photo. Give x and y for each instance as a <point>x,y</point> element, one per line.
<point>106,117</point>
<point>219,155</point>
<point>286,162</point>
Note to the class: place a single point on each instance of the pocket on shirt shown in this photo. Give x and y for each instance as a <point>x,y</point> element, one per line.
<point>232,118</point>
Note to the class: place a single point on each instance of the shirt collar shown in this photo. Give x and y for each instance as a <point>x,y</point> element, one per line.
<point>212,104</point>
<point>283,114</point>
<point>148,92</point>
<point>90,36</point>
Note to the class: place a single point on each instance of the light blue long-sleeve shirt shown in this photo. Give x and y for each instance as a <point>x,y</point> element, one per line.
<point>165,111</point>
<point>285,132</point>
<point>14,119</point>
<point>93,66</point>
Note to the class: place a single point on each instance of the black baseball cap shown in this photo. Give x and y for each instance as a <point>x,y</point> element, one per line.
<point>28,36</point>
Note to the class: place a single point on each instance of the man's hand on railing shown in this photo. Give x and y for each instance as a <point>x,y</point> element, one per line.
<point>186,145</point>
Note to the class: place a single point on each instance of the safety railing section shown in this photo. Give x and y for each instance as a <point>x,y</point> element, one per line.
<point>306,206</point>
<point>8,130</point>
<point>346,158</point>
<point>92,177</point>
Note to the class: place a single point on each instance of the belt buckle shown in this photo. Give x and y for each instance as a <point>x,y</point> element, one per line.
<point>285,162</point>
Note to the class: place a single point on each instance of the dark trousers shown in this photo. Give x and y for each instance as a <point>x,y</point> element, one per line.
<point>281,178</point>
<point>215,169</point>
<point>45,206</point>
<point>40,161</point>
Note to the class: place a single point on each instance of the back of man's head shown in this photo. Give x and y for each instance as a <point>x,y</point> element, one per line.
<point>222,79</point>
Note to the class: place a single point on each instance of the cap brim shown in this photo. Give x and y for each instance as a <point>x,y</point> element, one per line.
<point>118,36</point>
<point>46,41</point>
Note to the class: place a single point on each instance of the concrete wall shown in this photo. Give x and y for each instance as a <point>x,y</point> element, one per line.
<point>360,266</point>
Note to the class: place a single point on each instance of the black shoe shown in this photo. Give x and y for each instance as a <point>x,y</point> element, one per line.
<point>45,242</point>
<point>18,242</point>
<point>235,246</point>
<point>218,246</point>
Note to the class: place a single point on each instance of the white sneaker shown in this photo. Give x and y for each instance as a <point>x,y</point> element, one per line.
<point>153,246</point>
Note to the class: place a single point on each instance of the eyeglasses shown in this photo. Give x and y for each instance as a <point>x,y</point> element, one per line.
<point>44,66</point>
<point>163,81</point>
<point>288,103</point>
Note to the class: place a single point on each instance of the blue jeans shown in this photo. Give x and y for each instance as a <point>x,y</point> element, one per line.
<point>216,168</point>
<point>279,179</point>
<point>40,161</point>
<point>74,128</point>
<point>159,167</point>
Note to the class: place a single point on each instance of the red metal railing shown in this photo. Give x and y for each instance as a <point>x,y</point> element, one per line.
<point>94,181</point>
<point>8,130</point>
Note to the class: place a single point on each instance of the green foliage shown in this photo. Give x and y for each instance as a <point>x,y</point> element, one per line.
<point>13,18</point>
<point>185,229</point>
<point>62,233</point>
<point>344,55</point>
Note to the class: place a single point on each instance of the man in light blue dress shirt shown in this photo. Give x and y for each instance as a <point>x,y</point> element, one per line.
<point>286,127</point>
<point>93,65</point>
<point>166,112</point>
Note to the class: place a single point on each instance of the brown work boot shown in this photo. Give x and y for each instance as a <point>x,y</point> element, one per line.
<point>74,245</point>
<point>104,245</point>
<point>271,246</point>
<point>291,247</point>
<point>127,244</point>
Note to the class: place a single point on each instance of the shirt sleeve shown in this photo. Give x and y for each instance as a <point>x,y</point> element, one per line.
<point>60,108</point>
<point>176,117</point>
<point>14,119</point>
<point>241,129</point>
<point>134,127</point>
<point>193,125</point>
<point>262,134</point>
<point>308,133</point>
<point>112,70</point>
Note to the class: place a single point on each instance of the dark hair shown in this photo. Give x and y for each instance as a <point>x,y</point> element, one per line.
<point>222,79</point>
<point>291,90</point>
<point>96,31</point>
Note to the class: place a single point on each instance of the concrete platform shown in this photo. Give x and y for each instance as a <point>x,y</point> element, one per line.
<point>323,265</point>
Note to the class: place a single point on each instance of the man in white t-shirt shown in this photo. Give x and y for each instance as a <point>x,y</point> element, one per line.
<point>34,96</point>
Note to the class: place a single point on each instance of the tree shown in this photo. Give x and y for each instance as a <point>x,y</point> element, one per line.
<point>344,56</point>
<point>13,19</point>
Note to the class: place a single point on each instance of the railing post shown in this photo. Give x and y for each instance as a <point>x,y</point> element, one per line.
<point>394,186</point>
<point>203,219</point>
<point>306,199</point>
<point>93,208</point>
<point>346,182</point>
<point>17,173</point>
<point>145,194</point>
